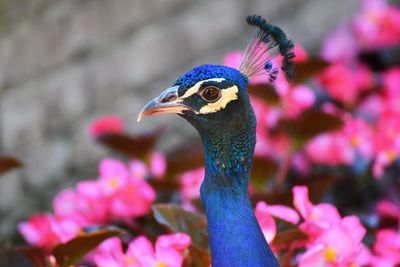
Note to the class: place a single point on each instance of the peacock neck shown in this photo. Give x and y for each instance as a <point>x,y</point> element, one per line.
<point>235,236</point>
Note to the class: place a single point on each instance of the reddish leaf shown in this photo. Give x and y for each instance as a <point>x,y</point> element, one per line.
<point>264,91</point>
<point>305,70</point>
<point>8,163</point>
<point>289,236</point>
<point>318,187</point>
<point>309,124</point>
<point>133,146</point>
<point>197,258</point>
<point>263,169</point>
<point>179,220</point>
<point>184,158</point>
<point>164,185</point>
<point>73,251</point>
<point>37,256</point>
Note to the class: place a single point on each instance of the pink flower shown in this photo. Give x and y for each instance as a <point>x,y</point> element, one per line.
<point>85,206</point>
<point>138,169</point>
<point>106,124</point>
<point>267,117</point>
<point>158,165</point>
<point>382,160</point>
<point>65,229</point>
<point>317,218</point>
<point>113,175</point>
<point>128,194</point>
<point>391,82</point>
<point>371,107</point>
<point>132,200</point>
<point>190,183</point>
<point>65,206</point>
<point>47,231</point>
<point>92,203</point>
<point>330,149</point>
<point>267,223</point>
<point>264,215</point>
<point>345,84</point>
<point>339,245</point>
<point>110,254</point>
<point>340,46</point>
<point>386,141</point>
<point>359,134</point>
<point>381,262</point>
<point>177,241</point>
<point>301,164</point>
<point>377,25</point>
<point>38,231</point>
<point>298,99</point>
<point>301,54</point>
<point>168,252</point>
<point>233,59</point>
<point>387,245</point>
<point>388,209</point>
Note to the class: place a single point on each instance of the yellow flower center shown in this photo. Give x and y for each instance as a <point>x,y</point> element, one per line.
<point>128,260</point>
<point>160,264</point>
<point>391,155</point>
<point>314,215</point>
<point>329,254</point>
<point>113,182</point>
<point>355,141</point>
<point>353,265</point>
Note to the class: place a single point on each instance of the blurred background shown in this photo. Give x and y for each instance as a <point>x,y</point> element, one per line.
<point>65,63</point>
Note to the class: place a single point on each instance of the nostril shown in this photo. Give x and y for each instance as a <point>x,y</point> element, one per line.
<point>168,98</point>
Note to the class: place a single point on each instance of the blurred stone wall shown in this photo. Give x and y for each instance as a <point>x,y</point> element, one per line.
<point>64,63</point>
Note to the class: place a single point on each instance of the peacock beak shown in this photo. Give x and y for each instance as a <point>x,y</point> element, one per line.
<point>167,102</point>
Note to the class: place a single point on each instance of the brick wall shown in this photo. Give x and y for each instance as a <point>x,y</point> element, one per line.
<point>63,63</point>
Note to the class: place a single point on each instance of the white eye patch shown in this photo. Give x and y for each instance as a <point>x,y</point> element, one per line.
<point>227,95</point>
<point>195,88</point>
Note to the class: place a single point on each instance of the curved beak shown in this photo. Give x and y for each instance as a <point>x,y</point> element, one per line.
<point>167,102</point>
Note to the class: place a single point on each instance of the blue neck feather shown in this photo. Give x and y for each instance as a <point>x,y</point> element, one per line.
<point>236,239</point>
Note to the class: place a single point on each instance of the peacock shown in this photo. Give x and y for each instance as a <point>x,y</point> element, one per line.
<point>214,99</point>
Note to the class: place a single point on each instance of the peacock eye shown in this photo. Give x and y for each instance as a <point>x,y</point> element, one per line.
<point>211,94</point>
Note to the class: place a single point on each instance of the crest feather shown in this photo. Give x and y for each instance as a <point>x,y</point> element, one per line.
<point>268,42</point>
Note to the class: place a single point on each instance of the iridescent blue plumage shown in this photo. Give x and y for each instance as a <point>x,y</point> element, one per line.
<point>215,101</point>
<point>228,136</point>
<point>209,71</point>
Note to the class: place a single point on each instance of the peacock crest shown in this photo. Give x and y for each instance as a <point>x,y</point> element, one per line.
<point>268,42</point>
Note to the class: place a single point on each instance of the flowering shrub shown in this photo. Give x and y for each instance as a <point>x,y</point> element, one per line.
<point>325,182</point>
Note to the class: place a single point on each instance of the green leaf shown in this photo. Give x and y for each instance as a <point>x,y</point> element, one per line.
<point>37,256</point>
<point>8,163</point>
<point>132,146</point>
<point>177,219</point>
<point>264,91</point>
<point>305,70</point>
<point>73,251</point>
<point>309,124</point>
<point>289,236</point>
<point>263,169</point>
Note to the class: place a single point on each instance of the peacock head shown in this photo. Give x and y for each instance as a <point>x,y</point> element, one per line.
<point>208,96</point>
<point>215,96</point>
